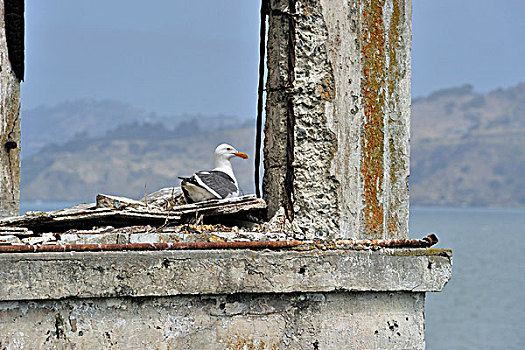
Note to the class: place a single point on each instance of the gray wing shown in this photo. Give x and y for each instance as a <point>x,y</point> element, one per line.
<point>218,181</point>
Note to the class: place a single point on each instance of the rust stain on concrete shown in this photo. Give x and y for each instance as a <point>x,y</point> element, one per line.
<point>373,62</point>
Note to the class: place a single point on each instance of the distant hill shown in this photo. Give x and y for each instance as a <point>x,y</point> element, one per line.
<point>127,158</point>
<point>93,118</point>
<point>60,123</point>
<point>467,149</point>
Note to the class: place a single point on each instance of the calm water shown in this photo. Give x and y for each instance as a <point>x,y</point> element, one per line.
<point>482,307</point>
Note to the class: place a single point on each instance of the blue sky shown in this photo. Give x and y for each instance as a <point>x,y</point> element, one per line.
<point>478,42</point>
<point>177,57</point>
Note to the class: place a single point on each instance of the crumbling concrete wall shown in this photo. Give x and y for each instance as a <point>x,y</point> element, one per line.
<point>50,276</point>
<point>219,299</point>
<point>9,128</point>
<point>240,321</point>
<point>336,163</point>
<point>337,129</point>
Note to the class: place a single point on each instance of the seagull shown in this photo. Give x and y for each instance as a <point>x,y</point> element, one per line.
<point>214,184</point>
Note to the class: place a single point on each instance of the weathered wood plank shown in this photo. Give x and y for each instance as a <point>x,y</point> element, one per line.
<point>130,212</point>
<point>116,202</point>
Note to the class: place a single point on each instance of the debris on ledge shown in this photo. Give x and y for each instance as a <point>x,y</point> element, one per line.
<point>121,212</point>
<point>161,222</point>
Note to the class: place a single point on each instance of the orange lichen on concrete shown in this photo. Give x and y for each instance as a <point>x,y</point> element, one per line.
<point>373,61</point>
<point>238,342</point>
<point>327,89</point>
<point>393,224</point>
<point>395,154</point>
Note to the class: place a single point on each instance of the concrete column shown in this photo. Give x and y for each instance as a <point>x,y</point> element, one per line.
<point>9,126</point>
<point>337,130</point>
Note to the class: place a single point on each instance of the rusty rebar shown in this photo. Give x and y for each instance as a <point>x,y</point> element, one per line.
<point>147,246</point>
<point>426,242</point>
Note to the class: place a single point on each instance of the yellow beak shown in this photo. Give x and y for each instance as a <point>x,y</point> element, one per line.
<point>241,155</point>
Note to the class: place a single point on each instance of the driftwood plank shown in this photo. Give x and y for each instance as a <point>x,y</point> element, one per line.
<point>17,231</point>
<point>127,212</point>
<point>116,202</point>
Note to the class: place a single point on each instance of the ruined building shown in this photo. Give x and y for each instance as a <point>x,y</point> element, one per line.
<point>332,268</point>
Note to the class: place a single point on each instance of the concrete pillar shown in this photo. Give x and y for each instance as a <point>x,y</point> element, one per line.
<point>10,108</point>
<point>337,130</point>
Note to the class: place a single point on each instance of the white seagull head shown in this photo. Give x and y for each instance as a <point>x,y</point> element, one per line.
<point>227,152</point>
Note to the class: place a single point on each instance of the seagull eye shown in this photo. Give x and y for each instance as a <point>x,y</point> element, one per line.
<point>228,149</point>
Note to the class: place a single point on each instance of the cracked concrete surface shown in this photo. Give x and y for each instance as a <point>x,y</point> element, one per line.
<point>351,112</point>
<point>241,321</point>
<point>28,276</point>
<point>219,299</point>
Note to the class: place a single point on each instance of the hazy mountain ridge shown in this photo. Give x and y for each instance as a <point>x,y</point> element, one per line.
<point>60,123</point>
<point>85,118</point>
<point>467,149</point>
<point>126,159</point>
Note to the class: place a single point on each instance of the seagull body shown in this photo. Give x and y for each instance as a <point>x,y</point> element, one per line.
<point>217,183</point>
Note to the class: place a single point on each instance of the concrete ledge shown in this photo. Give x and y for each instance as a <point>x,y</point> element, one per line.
<point>42,276</point>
